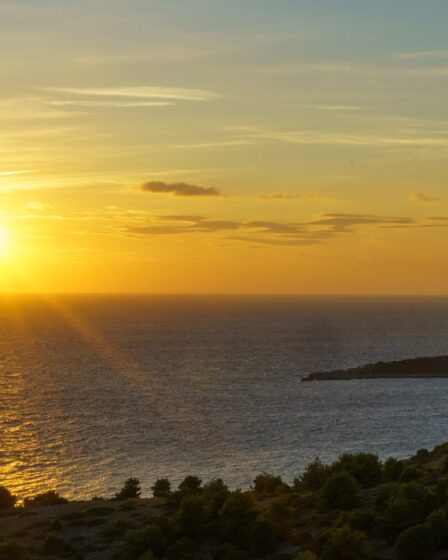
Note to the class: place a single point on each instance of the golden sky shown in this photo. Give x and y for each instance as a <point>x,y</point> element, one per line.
<point>281,146</point>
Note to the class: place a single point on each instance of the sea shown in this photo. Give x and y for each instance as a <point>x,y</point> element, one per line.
<point>96,389</point>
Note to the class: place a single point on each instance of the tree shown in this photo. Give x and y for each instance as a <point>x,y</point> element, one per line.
<point>416,543</point>
<point>392,469</point>
<point>50,498</point>
<point>161,488</point>
<point>410,474</point>
<point>365,467</point>
<point>438,521</point>
<point>340,491</point>
<point>236,514</point>
<point>190,484</point>
<point>314,477</point>
<point>344,544</point>
<point>7,500</point>
<point>263,536</point>
<point>191,516</point>
<point>131,489</point>
<point>266,483</point>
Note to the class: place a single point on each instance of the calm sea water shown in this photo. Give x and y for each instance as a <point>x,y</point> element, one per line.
<point>96,389</point>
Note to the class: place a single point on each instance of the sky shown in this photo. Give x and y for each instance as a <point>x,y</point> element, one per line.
<point>201,146</point>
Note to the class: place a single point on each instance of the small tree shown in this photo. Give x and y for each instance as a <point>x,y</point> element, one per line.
<point>190,484</point>
<point>340,491</point>
<point>131,489</point>
<point>191,516</point>
<point>161,488</point>
<point>344,544</point>
<point>50,498</point>
<point>314,477</point>
<point>266,483</point>
<point>236,514</point>
<point>7,500</point>
<point>263,536</point>
<point>392,469</point>
<point>416,543</point>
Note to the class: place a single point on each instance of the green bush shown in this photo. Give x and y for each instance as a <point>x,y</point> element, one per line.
<point>12,550</point>
<point>266,483</point>
<point>7,500</point>
<point>50,498</point>
<point>430,502</point>
<point>400,514</point>
<point>314,477</point>
<point>214,494</point>
<point>190,484</point>
<point>182,548</point>
<point>307,555</point>
<point>416,543</point>
<point>161,488</point>
<point>139,541</point>
<point>235,515</point>
<point>344,544</point>
<point>410,474</point>
<point>191,516</point>
<point>263,537</point>
<point>384,494</point>
<point>53,544</point>
<point>438,521</point>
<point>361,520</point>
<point>131,489</point>
<point>340,491</point>
<point>392,469</point>
<point>365,467</point>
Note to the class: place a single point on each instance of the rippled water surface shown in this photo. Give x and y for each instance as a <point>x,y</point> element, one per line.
<point>96,389</point>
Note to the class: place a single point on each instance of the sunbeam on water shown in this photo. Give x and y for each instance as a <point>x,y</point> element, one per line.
<point>96,389</point>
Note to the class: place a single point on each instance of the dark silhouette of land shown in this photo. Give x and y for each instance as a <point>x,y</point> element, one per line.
<point>421,368</point>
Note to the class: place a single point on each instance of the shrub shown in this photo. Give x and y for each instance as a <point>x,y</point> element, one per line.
<point>412,491</point>
<point>344,544</point>
<point>361,520</point>
<point>392,469</point>
<point>422,454</point>
<point>266,483</point>
<point>131,489</point>
<point>139,541</point>
<point>191,516</point>
<point>50,498</point>
<point>340,491</point>
<point>236,514</point>
<point>400,514</point>
<point>438,521</point>
<point>307,555</point>
<point>161,488</point>
<point>181,549</point>
<point>416,543</point>
<point>12,550</point>
<point>214,495</point>
<point>384,494</point>
<point>314,476</point>
<point>54,545</point>
<point>263,537</point>
<point>190,484</point>
<point>430,502</point>
<point>410,474</point>
<point>7,500</point>
<point>365,467</point>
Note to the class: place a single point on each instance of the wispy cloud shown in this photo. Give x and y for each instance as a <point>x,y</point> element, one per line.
<point>423,55</point>
<point>139,92</point>
<point>423,197</point>
<point>321,229</point>
<point>9,173</point>
<point>178,189</point>
<point>112,104</point>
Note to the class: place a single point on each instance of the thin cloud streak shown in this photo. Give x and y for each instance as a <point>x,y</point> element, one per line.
<point>139,92</point>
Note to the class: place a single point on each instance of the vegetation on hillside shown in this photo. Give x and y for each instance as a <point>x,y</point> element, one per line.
<point>357,508</point>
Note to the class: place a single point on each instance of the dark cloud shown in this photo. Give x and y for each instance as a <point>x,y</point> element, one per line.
<point>323,228</point>
<point>178,189</point>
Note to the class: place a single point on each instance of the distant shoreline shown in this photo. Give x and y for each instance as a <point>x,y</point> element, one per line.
<point>416,368</point>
